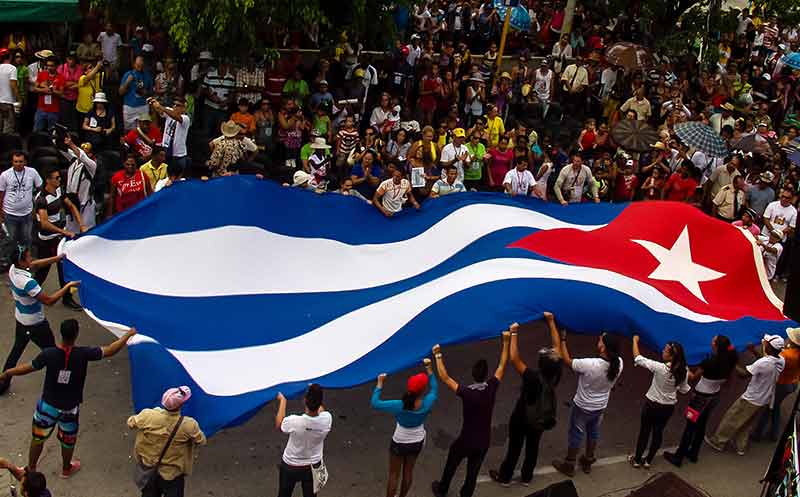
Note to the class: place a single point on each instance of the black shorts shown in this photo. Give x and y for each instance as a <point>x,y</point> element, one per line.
<point>402,450</point>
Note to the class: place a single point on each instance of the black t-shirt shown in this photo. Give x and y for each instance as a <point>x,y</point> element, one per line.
<point>529,392</point>
<point>65,377</point>
<point>715,368</point>
<point>53,203</point>
<point>478,403</point>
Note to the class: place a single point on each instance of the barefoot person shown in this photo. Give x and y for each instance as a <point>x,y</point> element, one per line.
<point>65,374</point>
<point>535,410</point>
<point>477,400</point>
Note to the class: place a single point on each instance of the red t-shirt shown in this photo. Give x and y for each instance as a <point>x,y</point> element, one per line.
<point>625,186</point>
<point>128,191</point>
<point>135,141</point>
<point>680,189</point>
<point>49,102</point>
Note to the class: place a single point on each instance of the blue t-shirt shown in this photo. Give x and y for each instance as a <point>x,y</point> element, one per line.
<point>407,419</point>
<point>365,189</point>
<point>140,88</point>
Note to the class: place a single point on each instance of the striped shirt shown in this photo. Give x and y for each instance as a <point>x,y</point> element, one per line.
<point>24,289</point>
<point>221,86</point>
<point>347,140</point>
<point>53,203</point>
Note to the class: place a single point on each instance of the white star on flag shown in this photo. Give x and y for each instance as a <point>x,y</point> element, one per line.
<point>676,264</point>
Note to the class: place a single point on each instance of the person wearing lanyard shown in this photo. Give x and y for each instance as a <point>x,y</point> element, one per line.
<point>409,434</point>
<point>519,181</point>
<point>393,193</point>
<point>65,374</point>
<point>572,180</point>
<point>17,184</point>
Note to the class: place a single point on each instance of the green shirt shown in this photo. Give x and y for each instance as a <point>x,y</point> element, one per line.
<point>321,125</point>
<point>474,170</point>
<point>22,81</point>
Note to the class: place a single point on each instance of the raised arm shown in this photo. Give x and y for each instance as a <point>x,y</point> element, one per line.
<point>501,367</point>
<point>564,351</point>
<point>281,411</point>
<point>555,336</point>
<point>114,347</point>
<point>636,352</point>
<point>441,371</point>
<point>519,365</point>
<point>430,398</point>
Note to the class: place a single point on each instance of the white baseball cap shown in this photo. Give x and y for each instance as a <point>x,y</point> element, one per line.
<point>776,341</point>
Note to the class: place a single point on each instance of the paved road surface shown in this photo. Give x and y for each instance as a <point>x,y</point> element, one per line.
<point>242,461</point>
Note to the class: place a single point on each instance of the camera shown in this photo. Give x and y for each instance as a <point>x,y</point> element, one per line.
<point>59,133</point>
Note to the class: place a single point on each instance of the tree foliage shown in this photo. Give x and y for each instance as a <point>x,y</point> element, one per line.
<point>228,25</point>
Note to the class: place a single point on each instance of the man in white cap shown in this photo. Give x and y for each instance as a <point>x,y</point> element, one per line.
<point>738,421</point>
<point>787,384</point>
<point>771,250</point>
<point>166,439</point>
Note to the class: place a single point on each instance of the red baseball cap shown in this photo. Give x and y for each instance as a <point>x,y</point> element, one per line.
<point>417,383</point>
<point>3,52</point>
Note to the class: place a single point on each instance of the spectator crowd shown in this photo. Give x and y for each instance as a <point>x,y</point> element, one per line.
<point>93,129</point>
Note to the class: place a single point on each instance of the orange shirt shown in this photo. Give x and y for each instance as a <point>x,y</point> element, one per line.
<point>791,372</point>
<point>247,120</point>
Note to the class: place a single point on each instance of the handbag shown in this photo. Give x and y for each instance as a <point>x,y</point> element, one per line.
<point>697,404</point>
<point>143,475</point>
<point>319,473</point>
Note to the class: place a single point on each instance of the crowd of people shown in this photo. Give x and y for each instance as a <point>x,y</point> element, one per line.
<point>110,122</point>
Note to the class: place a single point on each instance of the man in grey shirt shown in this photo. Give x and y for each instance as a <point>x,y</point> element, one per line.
<point>573,179</point>
<point>759,196</point>
<point>17,185</point>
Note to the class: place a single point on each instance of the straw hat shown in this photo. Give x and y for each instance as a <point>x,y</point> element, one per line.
<point>319,144</point>
<point>505,75</point>
<point>230,129</point>
<point>794,335</point>
<point>44,54</point>
<point>100,98</point>
<point>300,178</point>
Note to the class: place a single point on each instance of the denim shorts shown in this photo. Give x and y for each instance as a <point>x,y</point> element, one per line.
<point>583,424</point>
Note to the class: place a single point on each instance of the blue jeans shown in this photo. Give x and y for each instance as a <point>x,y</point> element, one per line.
<point>20,232</point>
<point>583,424</point>
<point>774,414</point>
<point>44,120</point>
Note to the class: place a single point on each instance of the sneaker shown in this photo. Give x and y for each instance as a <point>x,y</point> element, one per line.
<point>633,462</point>
<point>586,464</point>
<point>740,452</point>
<point>435,489</point>
<point>565,467</point>
<point>713,445</point>
<point>71,304</point>
<point>74,468</point>
<point>525,483</point>
<point>646,465</point>
<point>673,459</point>
<point>495,476</point>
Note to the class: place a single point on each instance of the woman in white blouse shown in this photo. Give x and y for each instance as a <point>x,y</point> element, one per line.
<point>669,377</point>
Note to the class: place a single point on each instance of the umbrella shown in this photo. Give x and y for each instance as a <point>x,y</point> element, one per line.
<point>520,18</point>
<point>754,143</point>
<point>792,60</point>
<point>628,55</point>
<point>702,137</point>
<point>634,135</point>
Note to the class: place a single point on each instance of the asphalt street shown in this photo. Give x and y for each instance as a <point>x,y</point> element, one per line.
<point>241,461</point>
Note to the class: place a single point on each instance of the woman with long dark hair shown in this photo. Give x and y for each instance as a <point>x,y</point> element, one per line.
<point>409,434</point>
<point>710,375</point>
<point>669,378</point>
<point>529,419</point>
<point>596,378</point>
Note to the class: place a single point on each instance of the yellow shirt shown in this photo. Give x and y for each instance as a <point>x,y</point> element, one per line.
<point>495,128</point>
<point>86,90</point>
<point>154,174</point>
<point>155,426</point>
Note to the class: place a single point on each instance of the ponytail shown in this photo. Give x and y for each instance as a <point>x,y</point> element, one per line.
<point>677,365</point>
<point>409,399</point>
<point>612,352</point>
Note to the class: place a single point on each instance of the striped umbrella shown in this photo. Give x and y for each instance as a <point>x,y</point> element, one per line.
<point>702,137</point>
<point>792,60</point>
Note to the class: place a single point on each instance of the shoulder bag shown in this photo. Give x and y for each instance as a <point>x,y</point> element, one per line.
<point>143,475</point>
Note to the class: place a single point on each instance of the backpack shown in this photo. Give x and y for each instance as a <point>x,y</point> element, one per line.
<point>541,414</point>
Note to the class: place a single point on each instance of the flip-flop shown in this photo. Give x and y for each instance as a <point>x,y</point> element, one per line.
<point>75,466</point>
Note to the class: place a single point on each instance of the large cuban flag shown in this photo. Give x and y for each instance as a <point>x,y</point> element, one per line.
<point>241,288</point>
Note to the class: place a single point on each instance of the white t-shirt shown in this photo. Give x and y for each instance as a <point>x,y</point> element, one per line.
<point>521,182</point>
<point>761,388</point>
<point>780,217</point>
<point>7,73</point>
<point>19,188</point>
<point>109,44</point>
<point>394,196</point>
<point>306,438</point>
<point>180,130</point>
<point>593,385</point>
<point>662,389</point>
<point>450,152</point>
<point>770,259</point>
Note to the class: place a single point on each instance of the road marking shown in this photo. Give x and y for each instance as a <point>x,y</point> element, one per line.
<point>605,461</point>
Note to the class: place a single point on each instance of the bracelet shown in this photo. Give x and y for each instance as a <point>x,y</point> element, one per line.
<point>438,355</point>
<point>514,333</point>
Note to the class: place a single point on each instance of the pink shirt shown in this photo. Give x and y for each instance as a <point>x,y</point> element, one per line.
<point>70,76</point>
<point>753,228</point>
